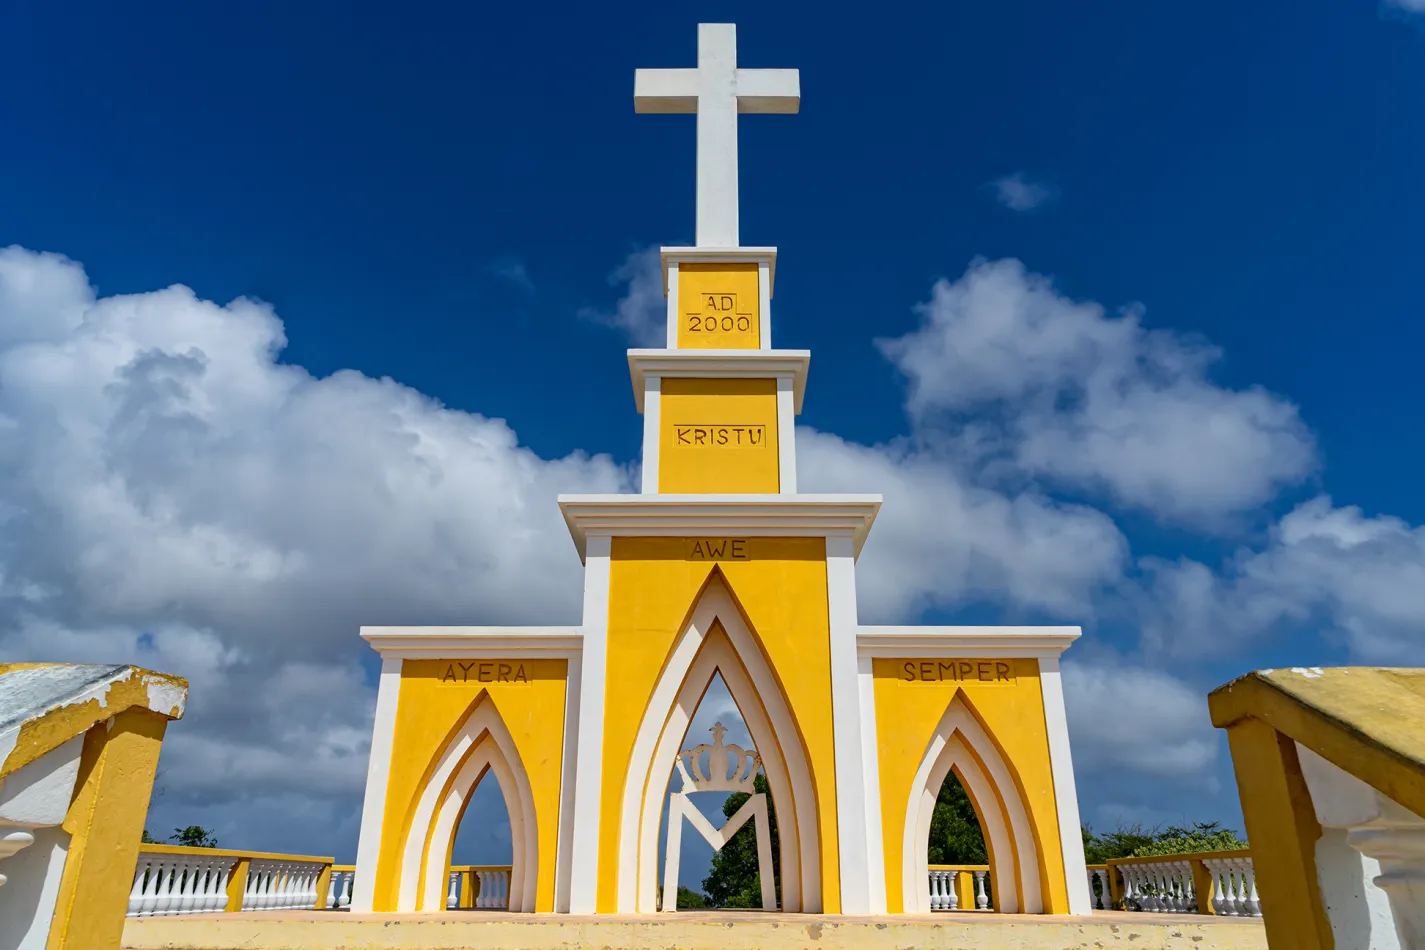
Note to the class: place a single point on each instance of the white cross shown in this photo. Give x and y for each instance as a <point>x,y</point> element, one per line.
<point>717,91</point>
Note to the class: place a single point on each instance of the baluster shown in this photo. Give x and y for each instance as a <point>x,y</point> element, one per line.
<point>136,893</point>
<point>346,891</point>
<point>982,900</point>
<point>452,899</point>
<point>1253,905</point>
<point>952,880</point>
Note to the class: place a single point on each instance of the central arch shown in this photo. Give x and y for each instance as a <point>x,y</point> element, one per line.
<point>960,743</point>
<point>482,746</point>
<point>718,639</point>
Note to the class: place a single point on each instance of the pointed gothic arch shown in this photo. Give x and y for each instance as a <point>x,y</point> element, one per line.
<point>962,744</point>
<point>718,639</point>
<point>481,746</point>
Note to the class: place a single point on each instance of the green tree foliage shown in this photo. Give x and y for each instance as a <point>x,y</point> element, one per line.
<point>955,836</point>
<point>734,881</point>
<point>690,899</point>
<point>1135,841</point>
<point>194,836</point>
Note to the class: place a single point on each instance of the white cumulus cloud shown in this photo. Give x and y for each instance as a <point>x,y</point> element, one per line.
<point>1029,383</point>
<point>1019,192</point>
<point>173,496</point>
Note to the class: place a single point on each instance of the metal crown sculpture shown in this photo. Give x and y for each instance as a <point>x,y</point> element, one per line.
<point>733,767</point>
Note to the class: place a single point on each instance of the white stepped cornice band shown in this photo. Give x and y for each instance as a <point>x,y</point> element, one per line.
<point>720,364</point>
<point>969,641</point>
<point>455,642</point>
<point>720,255</point>
<point>786,516</point>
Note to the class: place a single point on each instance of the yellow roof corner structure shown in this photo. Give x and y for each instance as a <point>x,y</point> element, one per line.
<point>44,705</point>
<point>1363,719</point>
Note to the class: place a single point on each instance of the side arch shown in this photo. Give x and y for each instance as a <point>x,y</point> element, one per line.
<point>482,745</point>
<point>717,639</point>
<point>960,743</point>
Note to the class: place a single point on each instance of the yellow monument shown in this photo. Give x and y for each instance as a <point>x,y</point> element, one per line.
<point>720,566</point>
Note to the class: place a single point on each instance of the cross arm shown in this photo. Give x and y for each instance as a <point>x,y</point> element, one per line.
<point>769,90</point>
<point>665,90</point>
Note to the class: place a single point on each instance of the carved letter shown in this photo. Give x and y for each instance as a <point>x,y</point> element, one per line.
<point>965,670</point>
<point>726,303</point>
<point>947,667</point>
<point>487,672</point>
<point>718,551</point>
<point>465,672</point>
<point>1002,672</point>
<point>449,674</point>
<point>519,675</point>
<point>698,551</point>
<point>504,673</point>
<point>739,548</point>
<point>927,671</point>
<point>700,436</point>
<point>712,302</point>
<point>754,436</point>
<point>722,437</point>
<point>984,671</point>
<point>909,671</point>
<point>683,437</point>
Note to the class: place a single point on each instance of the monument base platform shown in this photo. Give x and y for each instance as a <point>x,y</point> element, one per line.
<point>691,930</point>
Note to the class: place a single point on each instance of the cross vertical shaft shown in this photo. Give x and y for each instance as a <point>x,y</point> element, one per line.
<point>717,91</point>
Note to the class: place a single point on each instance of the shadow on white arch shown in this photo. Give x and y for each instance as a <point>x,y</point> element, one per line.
<point>961,743</point>
<point>717,640</point>
<point>482,745</point>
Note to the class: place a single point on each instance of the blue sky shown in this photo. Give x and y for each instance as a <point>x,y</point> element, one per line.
<point>1186,418</point>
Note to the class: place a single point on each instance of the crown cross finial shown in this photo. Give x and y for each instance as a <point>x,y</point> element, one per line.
<point>730,768</point>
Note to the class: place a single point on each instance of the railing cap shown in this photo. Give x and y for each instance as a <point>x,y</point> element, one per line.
<point>229,853</point>
<point>1184,856</point>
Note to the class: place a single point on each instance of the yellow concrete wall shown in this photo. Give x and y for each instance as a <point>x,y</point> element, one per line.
<point>718,435</point>
<point>909,705</point>
<point>719,306</point>
<point>781,585</point>
<point>436,697</point>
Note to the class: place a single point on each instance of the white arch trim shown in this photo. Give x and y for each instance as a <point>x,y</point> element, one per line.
<point>695,657</point>
<point>961,742</point>
<point>483,743</point>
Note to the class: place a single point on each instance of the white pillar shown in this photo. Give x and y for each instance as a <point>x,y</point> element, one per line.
<point>373,807</point>
<point>1370,860</point>
<point>1066,796</point>
<point>589,759</point>
<point>852,818</point>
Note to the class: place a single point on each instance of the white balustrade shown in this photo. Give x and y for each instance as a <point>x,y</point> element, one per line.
<point>1164,887</point>
<point>942,890</point>
<point>172,884</point>
<point>339,894</point>
<point>452,899</point>
<point>1103,899</point>
<point>1234,892</point>
<point>494,890</point>
<point>281,885</point>
<point>982,900</point>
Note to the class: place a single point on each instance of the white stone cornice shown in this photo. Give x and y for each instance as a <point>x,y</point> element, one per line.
<point>414,643</point>
<point>720,255</point>
<point>805,516</point>
<point>720,364</point>
<point>965,641</point>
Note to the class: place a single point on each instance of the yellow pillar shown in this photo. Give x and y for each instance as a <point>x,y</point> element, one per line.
<point>1204,884</point>
<point>105,825</point>
<point>237,885</point>
<point>1281,824</point>
<point>965,889</point>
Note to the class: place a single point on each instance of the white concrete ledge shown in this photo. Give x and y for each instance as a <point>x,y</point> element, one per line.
<point>720,364</point>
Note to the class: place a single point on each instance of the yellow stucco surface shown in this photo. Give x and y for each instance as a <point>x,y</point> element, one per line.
<point>780,584</point>
<point>718,306</point>
<point>718,435</point>
<point>436,697</point>
<point>105,824</point>
<point>909,705</point>
<point>321,930</point>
